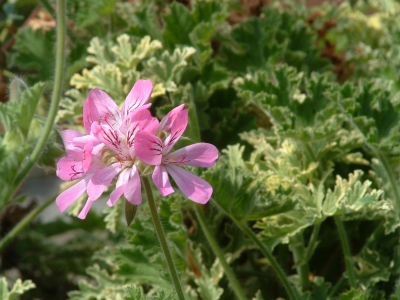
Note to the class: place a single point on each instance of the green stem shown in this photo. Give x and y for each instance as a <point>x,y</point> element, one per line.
<point>346,252</point>
<point>313,240</point>
<point>391,177</point>
<point>374,236</point>
<point>162,239</point>
<point>24,222</point>
<point>218,252</point>
<point>56,95</point>
<point>299,254</point>
<point>336,288</point>
<point>292,292</point>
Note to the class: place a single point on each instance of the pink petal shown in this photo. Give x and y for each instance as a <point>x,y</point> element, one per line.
<point>66,198</point>
<point>139,95</point>
<point>82,215</point>
<point>148,148</point>
<point>133,191</point>
<point>120,187</point>
<point>177,129</point>
<point>197,155</point>
<point>87,116</point>
<point>81,141</point>
<point>137,120</point>
<point>101,180</point>
<point>87,156</point>
<point>68,136</point>
<point>69,169</point>
<point>192,186</point>
<point>101,108</point>
<point>166,122</point>
<point>161,180</point>
<point>112,138</point>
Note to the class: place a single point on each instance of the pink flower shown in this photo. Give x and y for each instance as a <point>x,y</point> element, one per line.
<point>107,150</point>
<point>152,150</point>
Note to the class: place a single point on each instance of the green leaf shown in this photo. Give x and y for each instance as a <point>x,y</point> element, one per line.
<point>278,36</point>
<point>349,196</point>
<point>18,288</point>
<point>321,288</point>
<point>235,190</point>
<point>371,268</point>
<point>132,292</point>
<point>168,67</point>
<point>113,217</point>
<point>162,294</point>
<point>194,28</point>
<point>207,279</point>
<point>18,115</point>
<point>141,18</point>
<point>258,296</point>
<point>126,59</point>
<point>107,78</point>
<point>108,287</point>
<point>88,13</point>
<point>115,65</point>
<point>34,53</point>
<point>277,229</point>
<point>352,295</point>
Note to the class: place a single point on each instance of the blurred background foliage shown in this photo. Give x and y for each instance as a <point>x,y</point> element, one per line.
<point>302,101</point>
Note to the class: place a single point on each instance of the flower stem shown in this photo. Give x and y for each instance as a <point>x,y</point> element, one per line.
<point>346,252</point>
<point>237,289</point>
<point>299,254</point>
<point>56,95</point>
<point>313,240</point>
<point>162,239</point>
<point>292,292</point>
<point>391,177</point>
<point>24,222</point>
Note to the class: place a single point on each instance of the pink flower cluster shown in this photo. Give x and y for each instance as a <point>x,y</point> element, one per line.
<point>121,143</point>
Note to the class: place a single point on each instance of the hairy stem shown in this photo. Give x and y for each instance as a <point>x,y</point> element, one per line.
<point>292,292</point>
<point>56,95</point>
<point>391,177</point>
<point>24,222</point>
<point>162,239</point>
<point>346,252</point>
<point>296,245</point>
<point>313,241</point>
<point>220,255</point>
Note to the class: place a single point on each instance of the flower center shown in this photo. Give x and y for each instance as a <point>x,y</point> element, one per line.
<point>108,157</point>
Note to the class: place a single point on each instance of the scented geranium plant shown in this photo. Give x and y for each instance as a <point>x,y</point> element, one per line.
<point>124,143</point>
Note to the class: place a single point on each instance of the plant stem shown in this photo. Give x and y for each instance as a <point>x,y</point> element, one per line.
<point>220,255</point>
<point>24,222</point>
<point>292,292</point>
<point>346,252</point>
<point>337,287</point>
<point>296,245</point>
<point>313,240</point>
<point>391,177</point>
<point>162,239</point>
<point>56,95</point>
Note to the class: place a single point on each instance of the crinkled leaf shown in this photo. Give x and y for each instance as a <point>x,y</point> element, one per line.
<point>17,289</point>
<point>108,287</point>
<point>34,52</point>
<point>207,279</point>
<point>168,67</point>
